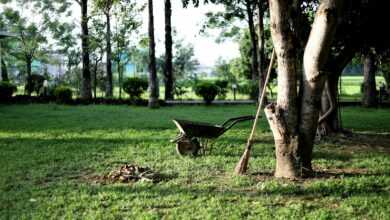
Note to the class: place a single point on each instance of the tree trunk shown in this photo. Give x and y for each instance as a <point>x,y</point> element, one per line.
<point>95,69</point>
<point>153,84</point>
<point>316,54</point>
<point>253,36</point>
<point>120,76</point>
<point>261,48</point>
<point>261,37</point>
<point>282,117</point>
<point>29,73</point>
<point>168,70</point>
<point>4,71</point>
<point>370,98</point>
<point>86,92</point>
<point>294,137</point>
<point>109,86</point>
<point>329,122</point>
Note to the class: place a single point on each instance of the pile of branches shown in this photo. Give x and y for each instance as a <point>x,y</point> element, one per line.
<point>133,173</point>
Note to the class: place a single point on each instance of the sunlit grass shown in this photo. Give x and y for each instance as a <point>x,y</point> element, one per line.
<point>48,153</point>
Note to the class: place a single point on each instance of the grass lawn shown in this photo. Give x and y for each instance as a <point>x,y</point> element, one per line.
<point>50,155</point>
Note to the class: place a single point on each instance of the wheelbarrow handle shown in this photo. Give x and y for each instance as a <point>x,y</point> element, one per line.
<point>233,121</point>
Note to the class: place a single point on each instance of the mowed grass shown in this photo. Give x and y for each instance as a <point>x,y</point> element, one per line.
<point>50,155</point>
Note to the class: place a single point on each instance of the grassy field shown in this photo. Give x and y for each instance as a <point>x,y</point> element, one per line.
<point>50,156</point>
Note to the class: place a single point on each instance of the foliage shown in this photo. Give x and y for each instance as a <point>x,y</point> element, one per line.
<point>135,87</point>
<point>63,94</point>
<point>222,88</point>
<point>7,89</point>
<point>34,84</point>
<point>184,61</point>
<point>250,88</point>
<point>179,89</point>
<point>30,34</point>
<point>385,68</point>
<point>207,90</point>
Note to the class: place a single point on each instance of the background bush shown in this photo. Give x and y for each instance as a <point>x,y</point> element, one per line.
<point>222,88</point>
<point>63,94</point>
<point>207,90</point>
<point>35,84</point>
<point>179,89</point>
<point>249,88</point>
<point>135,87</point>
<point>6,90</point>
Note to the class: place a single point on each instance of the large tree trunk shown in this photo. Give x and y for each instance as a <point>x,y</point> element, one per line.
<point>109,86</point>
<point>253,36</point>
<point>168,70</point>
<point>4,71</point>
<point>316,54</point>
<point>370,98</point>
<point>294,137</point>
<point>86,92</point>
<point>283,116</point>
<point>153,84</point>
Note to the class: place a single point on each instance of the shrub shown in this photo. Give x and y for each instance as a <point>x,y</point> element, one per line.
<point>63,94</point>
<point>207,90</point>
<point>135,87</point>
<point>35,83</point>
<point>179,89</point>
<point>249,88</point>
<point>222,88</point>
<point>6,90</point>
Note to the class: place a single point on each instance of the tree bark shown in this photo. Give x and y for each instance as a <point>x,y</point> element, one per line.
<point>330,123</point>
<point>120,76</point>
<point>316,54</point>
<point>370,98</point>
<point>109,86</point>
<point>153,84</point>
<point>95,69</point>
<point>168,70</point>
<point>29,73</point>
<point>253,36</point>
<point>282,117</point>
<point>4,71</point>
<point>294,137</point>
<point>86,92</point>
<point>261,47</point>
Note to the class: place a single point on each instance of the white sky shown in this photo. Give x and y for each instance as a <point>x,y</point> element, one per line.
<point>187,22</point>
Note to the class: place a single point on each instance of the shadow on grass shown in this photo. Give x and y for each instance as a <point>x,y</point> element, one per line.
<point>263,188</point>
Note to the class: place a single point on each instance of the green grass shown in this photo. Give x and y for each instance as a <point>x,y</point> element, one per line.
<point>50,153</point>
<point>351,87</point>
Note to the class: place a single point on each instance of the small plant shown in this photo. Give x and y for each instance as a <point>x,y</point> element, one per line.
<point>63,94</point>
<point>222,85</point>
<point>180,89</point>
<point>6,90</point>
<point>207,90</point>
<point>135,87</point>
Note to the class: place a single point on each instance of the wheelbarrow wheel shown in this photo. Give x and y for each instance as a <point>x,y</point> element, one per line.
<point>188,147</point>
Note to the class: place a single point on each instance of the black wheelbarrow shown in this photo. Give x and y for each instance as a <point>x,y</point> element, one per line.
<point>194,137</point>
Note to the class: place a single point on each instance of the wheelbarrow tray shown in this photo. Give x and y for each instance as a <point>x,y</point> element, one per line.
<point>199,129</point>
